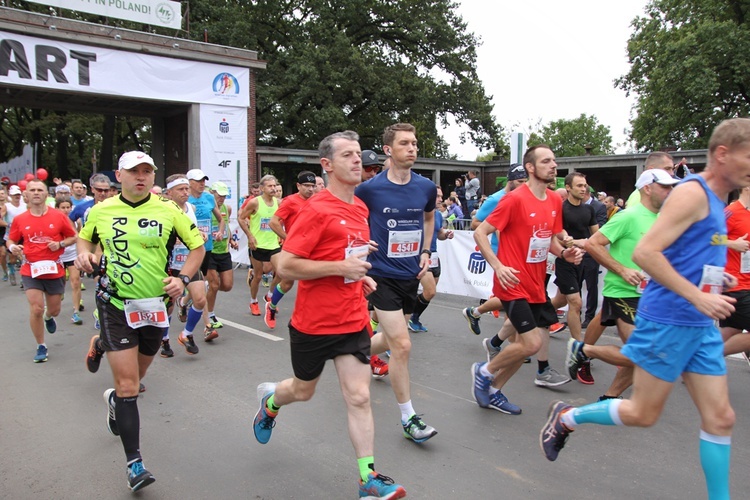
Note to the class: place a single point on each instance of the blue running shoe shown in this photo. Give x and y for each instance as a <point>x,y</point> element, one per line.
<point>379,486</point>
<point>554,434</point>
<point>473,322</point>
<point>76,319</point>
<point>416,327</point>
<point>264,421</point>
<point>138,477</point>
<point>480,387</point>
<point>499,402</point>
<point>49,323</point>
<point>575,357</point>
<point>416,430</point>
<point>41,354</point>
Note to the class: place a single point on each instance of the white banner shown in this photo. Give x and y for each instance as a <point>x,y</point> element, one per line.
<point>16,168</point>
<point>153,12</point>
<point>223,142</point>
<point>239,256</point>
<point>463,270</point>
<point>49,64</point>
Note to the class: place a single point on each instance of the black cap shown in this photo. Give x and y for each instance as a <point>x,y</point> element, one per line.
<point>306,177</point>
<point>369,158</point>
<point>517,172</point>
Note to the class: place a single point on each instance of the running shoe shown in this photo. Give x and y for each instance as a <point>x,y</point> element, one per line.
<point>138,477</point>
<point>83,287</point>
<point>379,486</point>
<point>182,311</point>
<point>574,357</point>
<point>270,316</point>
<point>473,322</point>
<point>254,309</point>
<point>12,278</point>
<point>80,305</point>
<point>141,387</point>
<point>495,313</point>
<point>416,430</point>
<point>266,280</point>
<point>94,357</point>
<point>264,420</point>
<point>97,326</point>
<point>499,402</point>
<point>604,397</point>
<point>584,373</point>
<point>49,323</point>
<point>554,434</point>
<point>557,328</point>
<point>166,349</point>
<point>41,354</point>
<point>209,334</point>
<point>76,319</point>
<point>491,350</point>
<point>188,343</point>
<point>480,386</point>
<point>550,378</point>
<point>378,366</point>
<point>215,323</point>
<point>5,277</point>
<point>416,327</point>
<point>109,399</point>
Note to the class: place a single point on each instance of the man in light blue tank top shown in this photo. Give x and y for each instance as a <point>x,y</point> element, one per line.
<point>675,333</point>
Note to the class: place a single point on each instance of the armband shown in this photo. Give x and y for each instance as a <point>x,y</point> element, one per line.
<point>426,251</point>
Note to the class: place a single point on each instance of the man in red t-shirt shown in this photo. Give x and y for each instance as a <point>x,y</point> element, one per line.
<point>40,236</point>
<point>326,251</point>
<point>738,265</point>
<point>529,221</point>
<point>281,223</point>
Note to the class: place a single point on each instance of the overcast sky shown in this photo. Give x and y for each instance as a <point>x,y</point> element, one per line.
<point>548,59</point>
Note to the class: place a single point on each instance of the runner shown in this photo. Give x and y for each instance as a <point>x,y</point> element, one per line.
<point>220,275</point>
<point>326,251</point>
<point>14,207</point>
<point>65,205</point>
<point>39,237</point>
<point>135,227</point>
<point>675,335</point>
<point>402,221</point>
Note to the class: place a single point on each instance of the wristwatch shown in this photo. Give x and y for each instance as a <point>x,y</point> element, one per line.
<point>184,278</point>
<point>426,251</point>
<point>62,244</point>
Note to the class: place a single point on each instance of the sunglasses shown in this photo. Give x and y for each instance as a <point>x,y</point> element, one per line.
<point>370,168</point>
<point>100,190</point>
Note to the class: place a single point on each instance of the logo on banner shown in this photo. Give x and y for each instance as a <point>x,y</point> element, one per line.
<point>477,263</point>
<point>224,126</point>
<point>225,163</point>
<point>226,84</point>
<point>164,13</point>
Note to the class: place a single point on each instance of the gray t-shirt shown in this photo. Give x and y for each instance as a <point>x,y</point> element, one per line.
<point>472,188</point>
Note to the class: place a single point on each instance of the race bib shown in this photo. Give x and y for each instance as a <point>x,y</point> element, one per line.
<point>712,280</point>
<point>357,248</point>
<point>642,284</point>
<point>745,262</point>
<point>179,256</point>
<point>550,264</point>
<point>204,226</point>
<point>538,249</point>
<point>434,260</point>
<point>403,244</point>
<point>146,312</point>
<point>265,224</point>
<point>43,267</point>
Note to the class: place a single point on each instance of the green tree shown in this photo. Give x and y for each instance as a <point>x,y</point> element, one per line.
<point>690,69</point>
<point>572,137</point>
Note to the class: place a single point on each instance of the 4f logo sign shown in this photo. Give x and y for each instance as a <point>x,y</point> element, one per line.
<point>225,163</point>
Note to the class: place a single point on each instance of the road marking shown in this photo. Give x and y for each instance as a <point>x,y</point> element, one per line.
<point>251,330</point>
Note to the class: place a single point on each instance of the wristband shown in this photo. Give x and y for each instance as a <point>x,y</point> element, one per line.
<point>12,248</point>
<point>426,251</point>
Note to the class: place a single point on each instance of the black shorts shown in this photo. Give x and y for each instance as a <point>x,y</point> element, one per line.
<point>54,286</point>
<point>435,270</point>
<point>263,254</point>
<point>614,308</point>
<point>740,319</point>
<point>204,264</point>
<point>568,277</point>
<point>310,352</point>
<point>117,335</point>
<point>525,317</point>
<point>220,262</point>
<point>394,295</point>
<point>198,276</point>
<point>69,263</point>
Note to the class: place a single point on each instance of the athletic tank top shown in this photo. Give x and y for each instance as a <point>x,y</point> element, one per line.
<point>220,246</point>
<point>260,225</point>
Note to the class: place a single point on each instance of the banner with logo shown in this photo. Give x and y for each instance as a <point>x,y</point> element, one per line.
<point>153,12</point>
<point>463,269</point>
<point>223,143</point>
<point>37,62</point>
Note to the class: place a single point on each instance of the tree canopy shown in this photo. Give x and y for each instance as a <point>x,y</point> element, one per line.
<point>690,69</point>
<point>572,137</point>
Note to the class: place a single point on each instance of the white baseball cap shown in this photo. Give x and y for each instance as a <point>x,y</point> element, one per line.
<point>655,175</point>
<point>196,174</point>
<point>14,190</point>
<point>132,159</point>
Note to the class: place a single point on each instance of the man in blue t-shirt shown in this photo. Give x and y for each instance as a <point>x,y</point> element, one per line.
<point>402,218</point>
<point>100,186</point>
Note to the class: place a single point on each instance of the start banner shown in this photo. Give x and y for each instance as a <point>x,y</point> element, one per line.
<point>153,12</point>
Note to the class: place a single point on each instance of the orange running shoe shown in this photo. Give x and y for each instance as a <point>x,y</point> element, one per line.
<point>378,366</point>
<point>254,309</point>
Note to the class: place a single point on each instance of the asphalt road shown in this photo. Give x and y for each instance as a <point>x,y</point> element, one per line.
<point>196,422</point>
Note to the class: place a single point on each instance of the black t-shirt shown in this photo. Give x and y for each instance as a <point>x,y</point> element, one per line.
<point>577,219</point>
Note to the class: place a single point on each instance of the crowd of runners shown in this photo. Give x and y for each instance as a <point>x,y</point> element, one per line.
<point>676,257</point>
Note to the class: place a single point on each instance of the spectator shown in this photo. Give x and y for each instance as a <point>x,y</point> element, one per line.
<point>472,190</point>
<point>454,212</point>
<point>460,192</point>
<point>611,205</point>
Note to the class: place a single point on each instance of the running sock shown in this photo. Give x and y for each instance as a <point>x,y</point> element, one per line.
<point>473,312</point>
<point>366,465</point>
<point>420,306</point>
<point>714,453</point>
<point>496,342</point>
<point>211,314</point>
<point>270,406</point>
<point>484,371</point>
<point>278,294</point>
<point>603,413</point>
<point>165,333</point>
<point>542,365</point>
<point>407,410</point>
<point>129,425</point>
<point>193,317</point>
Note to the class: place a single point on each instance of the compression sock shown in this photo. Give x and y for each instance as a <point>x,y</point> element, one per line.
<point>714,453</point>
<point>129,425</point>
<point>193,317</point>
<point>366,465</point>
<point>277,296</point>
<point>605,412</point>
<point>496,342</point>
<point>420,306</point>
